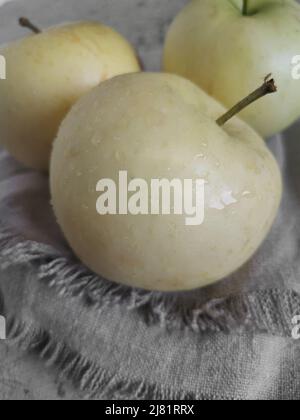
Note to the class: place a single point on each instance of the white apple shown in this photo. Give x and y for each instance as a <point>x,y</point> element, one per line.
<point>228,46</point>
<point>160,126</point>
<point>46,74</point>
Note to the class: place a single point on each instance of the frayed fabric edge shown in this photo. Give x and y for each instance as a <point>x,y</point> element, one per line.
<point>267,311</point>
<point>264,311</point>
<point>93,382</point>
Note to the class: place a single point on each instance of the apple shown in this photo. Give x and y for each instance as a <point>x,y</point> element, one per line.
<point>228,46</point>
<point>161,126</point>
<point>46,74</point>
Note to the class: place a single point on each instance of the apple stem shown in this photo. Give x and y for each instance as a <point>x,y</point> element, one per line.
<point>245,7</point>
<point>25,23</point>
<point>267,88</point>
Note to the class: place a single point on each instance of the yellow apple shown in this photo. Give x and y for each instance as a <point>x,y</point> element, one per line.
<point>161,126</point>
<point>46,74</point>
<point>228,46</point>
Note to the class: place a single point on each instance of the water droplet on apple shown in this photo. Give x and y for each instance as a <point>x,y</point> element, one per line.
<point>228,198</point>
<point>216,204</point>
<point>246,194</point>
<point>225,199</point>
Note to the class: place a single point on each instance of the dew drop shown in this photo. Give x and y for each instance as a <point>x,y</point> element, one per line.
<point>228,199</point>
<point>215,203</point>
<point>246,194</point>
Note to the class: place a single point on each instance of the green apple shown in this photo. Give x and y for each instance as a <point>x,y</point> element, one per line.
<point>161,126</point>
<point>46,74</point>
<point>228,46</point>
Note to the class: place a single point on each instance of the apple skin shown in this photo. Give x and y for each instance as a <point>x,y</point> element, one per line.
<point>46,74</point>
<point>162,126</point>
<point>228,55</point>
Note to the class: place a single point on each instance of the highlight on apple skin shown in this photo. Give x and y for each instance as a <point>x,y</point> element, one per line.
<point>47,73</point>
<point>162,126</point>
<point>228,49</point>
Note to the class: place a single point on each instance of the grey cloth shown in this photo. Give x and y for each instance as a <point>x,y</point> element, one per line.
<point>228,341</point>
